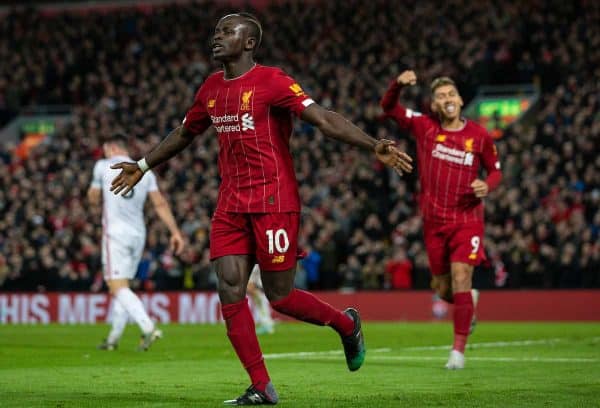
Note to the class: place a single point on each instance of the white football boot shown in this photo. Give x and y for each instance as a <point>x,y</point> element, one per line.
<point>456,361</point>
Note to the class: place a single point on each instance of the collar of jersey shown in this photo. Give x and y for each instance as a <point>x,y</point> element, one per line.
<point>241,76</point>
<point>456,130</point>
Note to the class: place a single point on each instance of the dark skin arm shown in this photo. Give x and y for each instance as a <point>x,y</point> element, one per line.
<point>170,146</point>
<point>335,126</point>
<point>330,123</point>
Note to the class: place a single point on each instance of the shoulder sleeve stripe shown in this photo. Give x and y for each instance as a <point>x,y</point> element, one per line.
<point>410,113</point>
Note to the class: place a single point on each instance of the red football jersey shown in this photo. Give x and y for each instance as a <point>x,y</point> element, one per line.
<point>448,162</point>
<point>252,115</point>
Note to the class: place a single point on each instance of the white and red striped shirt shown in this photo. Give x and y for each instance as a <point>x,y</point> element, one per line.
<point>448,162</point>
<point>252,117</point>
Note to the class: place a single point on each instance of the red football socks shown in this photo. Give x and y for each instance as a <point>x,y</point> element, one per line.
<point>463,313</point>
<point>241,333</point>
<point>308,308</point>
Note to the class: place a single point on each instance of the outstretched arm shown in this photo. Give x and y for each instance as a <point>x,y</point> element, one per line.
<point>131,173</point>
<point>334,125</point>
<point>170,146</point>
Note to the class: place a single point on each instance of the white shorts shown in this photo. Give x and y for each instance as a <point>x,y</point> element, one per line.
<point>255,277</point>
<point>120,257</point>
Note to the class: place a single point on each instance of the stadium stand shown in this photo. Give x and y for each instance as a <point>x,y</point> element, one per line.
<point>136,70</point>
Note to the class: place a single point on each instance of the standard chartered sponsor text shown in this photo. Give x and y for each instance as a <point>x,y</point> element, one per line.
<point>228,128</point>
<point>449,150</point>
<point>224,118</point>
<point>452,155</point>
<point>226,123</point>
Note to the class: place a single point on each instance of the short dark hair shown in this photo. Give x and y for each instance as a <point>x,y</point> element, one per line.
<point>441,81</point>
<point>254,26</point>
<point>256,30</point>
<point>118,139</point>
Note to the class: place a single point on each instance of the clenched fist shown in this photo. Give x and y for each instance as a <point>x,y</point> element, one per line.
<point>407,78</point>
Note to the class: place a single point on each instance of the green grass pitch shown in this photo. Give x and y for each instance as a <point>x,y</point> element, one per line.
<point>508,365</point>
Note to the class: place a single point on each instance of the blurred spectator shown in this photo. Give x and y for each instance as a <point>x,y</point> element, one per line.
<point>399,270</point>
<point>351,274</point>
<point>312,266</point>
<point>372,272</point>
<point>137,72</point>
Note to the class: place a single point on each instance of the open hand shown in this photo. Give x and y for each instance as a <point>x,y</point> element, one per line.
<point>387,152</point>
<point>130,175</point>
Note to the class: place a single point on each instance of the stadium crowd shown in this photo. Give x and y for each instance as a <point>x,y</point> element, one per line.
<point>136,70</point>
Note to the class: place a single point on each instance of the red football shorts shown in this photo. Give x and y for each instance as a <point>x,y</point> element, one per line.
<point>271,237</point>
<point>447,243</point>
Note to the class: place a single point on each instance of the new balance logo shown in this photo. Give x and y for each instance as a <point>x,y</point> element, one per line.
<point>255,398</point>
<point>247,122</point>
<point>277,259</point>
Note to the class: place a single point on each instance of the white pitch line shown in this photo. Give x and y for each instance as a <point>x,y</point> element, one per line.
<point>335,355</point>
<point>318,353</point>
<point>495,359</point>
<point>495,344</point>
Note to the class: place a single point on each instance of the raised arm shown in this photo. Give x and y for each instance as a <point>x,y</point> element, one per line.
<point>390,104</point>
<point>390,99</point>
<point>335,126</point>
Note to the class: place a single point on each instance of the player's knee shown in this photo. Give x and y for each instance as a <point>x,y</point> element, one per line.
<point>278,285</point>
<point>461,278</point>
<point>277,292</point>
<point>230,290</point>
<point>115,285</point>
<point>461,282</point>
<point>231,293</point>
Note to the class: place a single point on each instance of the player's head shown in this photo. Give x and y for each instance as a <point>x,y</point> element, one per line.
<point>235,35</point>
<point>116,144</point>
<point>445,98</point>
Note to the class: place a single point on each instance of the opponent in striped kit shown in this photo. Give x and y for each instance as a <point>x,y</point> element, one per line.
<point>451,150</point>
